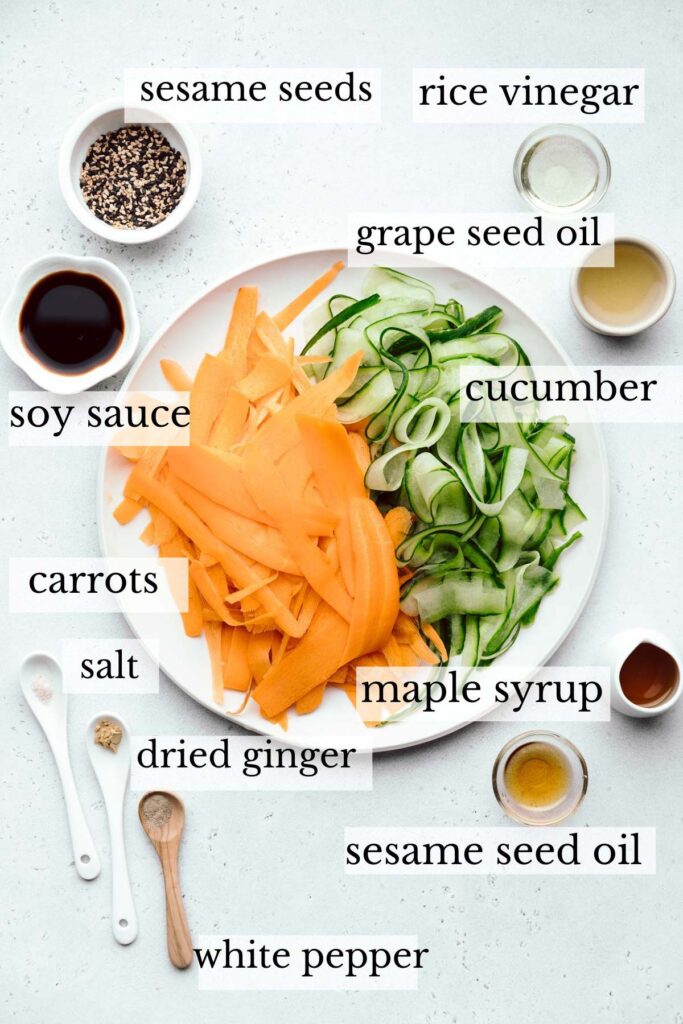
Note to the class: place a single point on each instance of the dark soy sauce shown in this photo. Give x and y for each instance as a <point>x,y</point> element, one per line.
<point>71,322</point>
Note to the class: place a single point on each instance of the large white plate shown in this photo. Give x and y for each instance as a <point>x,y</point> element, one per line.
<point>200,327</point>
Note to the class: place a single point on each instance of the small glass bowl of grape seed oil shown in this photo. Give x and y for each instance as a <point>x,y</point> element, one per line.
<point>539,778</point>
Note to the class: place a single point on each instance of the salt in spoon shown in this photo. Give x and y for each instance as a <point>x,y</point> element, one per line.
<point>162,816</point>
<point>41,684</point>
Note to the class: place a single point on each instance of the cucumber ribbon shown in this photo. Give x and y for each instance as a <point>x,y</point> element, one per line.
<point>490,499</point>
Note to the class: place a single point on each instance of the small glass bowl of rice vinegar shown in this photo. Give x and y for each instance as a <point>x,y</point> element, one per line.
<point>539,778</point>
<point>562,169</point>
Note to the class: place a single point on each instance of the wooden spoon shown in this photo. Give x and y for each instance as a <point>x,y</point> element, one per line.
<point>162,816</point>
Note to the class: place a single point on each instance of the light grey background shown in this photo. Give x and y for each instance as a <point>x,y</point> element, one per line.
<point>503,949</point>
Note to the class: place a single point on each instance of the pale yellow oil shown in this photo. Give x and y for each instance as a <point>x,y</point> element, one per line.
<point>625,293</point>
<point>537,775</point>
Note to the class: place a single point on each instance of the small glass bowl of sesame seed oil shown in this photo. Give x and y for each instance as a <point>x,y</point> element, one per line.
<point>129,180</point>
<point>539,778</point>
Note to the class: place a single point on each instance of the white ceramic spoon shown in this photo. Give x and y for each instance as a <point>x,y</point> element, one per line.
<point>41,671</point>
<point>112,770</point>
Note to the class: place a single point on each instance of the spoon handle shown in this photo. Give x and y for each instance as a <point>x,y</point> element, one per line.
<point>124,920</point>
<point>86,859</point>
<point>177,931</point>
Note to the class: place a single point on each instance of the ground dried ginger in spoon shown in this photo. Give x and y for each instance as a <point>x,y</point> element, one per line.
<point>108,734</point>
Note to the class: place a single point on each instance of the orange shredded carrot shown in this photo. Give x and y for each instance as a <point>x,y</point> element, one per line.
<point>310,701</point>
<point>280,433</point>
<point>239,595</point>
<point>399,522</point>
<point>148,536</point>
<point>175,375</point>
<point>338,477</point>
<point>131,452</point>
<point>312,360</point>
<point>361,451</point>
<point>213,639</point>
<point>285,317</point>
<point>259,646</point>
<point>230,422</point>
<point>127,510</point>
<point>261,543</point>
<point>220,476</point>
<point>268,488</point>
<point>164,529</point>
<point>236,671</point>
<point>310,663</point>
<point>270,336</point>
<point>236,566</point>
<point>199,575</point>
<point>431,634</point>
<point>239,332</point>
<point>270,373</point>
<point>292,572</point>
<point>375,607</point>
<point>208,395</point>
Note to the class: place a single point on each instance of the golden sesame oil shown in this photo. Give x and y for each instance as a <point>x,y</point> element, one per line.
<point>537,775</point>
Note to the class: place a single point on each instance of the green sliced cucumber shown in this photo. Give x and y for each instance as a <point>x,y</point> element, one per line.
<point>492,505</point>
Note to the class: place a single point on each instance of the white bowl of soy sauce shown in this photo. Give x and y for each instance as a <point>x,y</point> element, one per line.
<point>70,322</point>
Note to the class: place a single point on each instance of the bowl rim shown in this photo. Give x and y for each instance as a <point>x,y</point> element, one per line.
<point>626,330</point>
<point>10,337</point>
<point>71,192</point>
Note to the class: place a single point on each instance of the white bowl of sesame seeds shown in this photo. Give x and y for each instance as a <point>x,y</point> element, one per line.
<point>126,176</point>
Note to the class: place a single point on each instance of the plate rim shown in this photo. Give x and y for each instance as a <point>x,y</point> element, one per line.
<point>287,254</point>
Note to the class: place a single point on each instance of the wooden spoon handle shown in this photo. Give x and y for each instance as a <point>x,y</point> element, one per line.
<point>177,931</point>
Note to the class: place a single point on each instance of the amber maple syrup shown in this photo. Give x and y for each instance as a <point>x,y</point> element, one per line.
<point>649,676</point>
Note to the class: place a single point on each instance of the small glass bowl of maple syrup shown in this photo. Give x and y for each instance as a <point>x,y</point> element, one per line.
<point>70,322</point>
<point>539,778</point>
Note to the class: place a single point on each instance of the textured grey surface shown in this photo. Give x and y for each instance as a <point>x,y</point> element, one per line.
<point>503,949</point>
